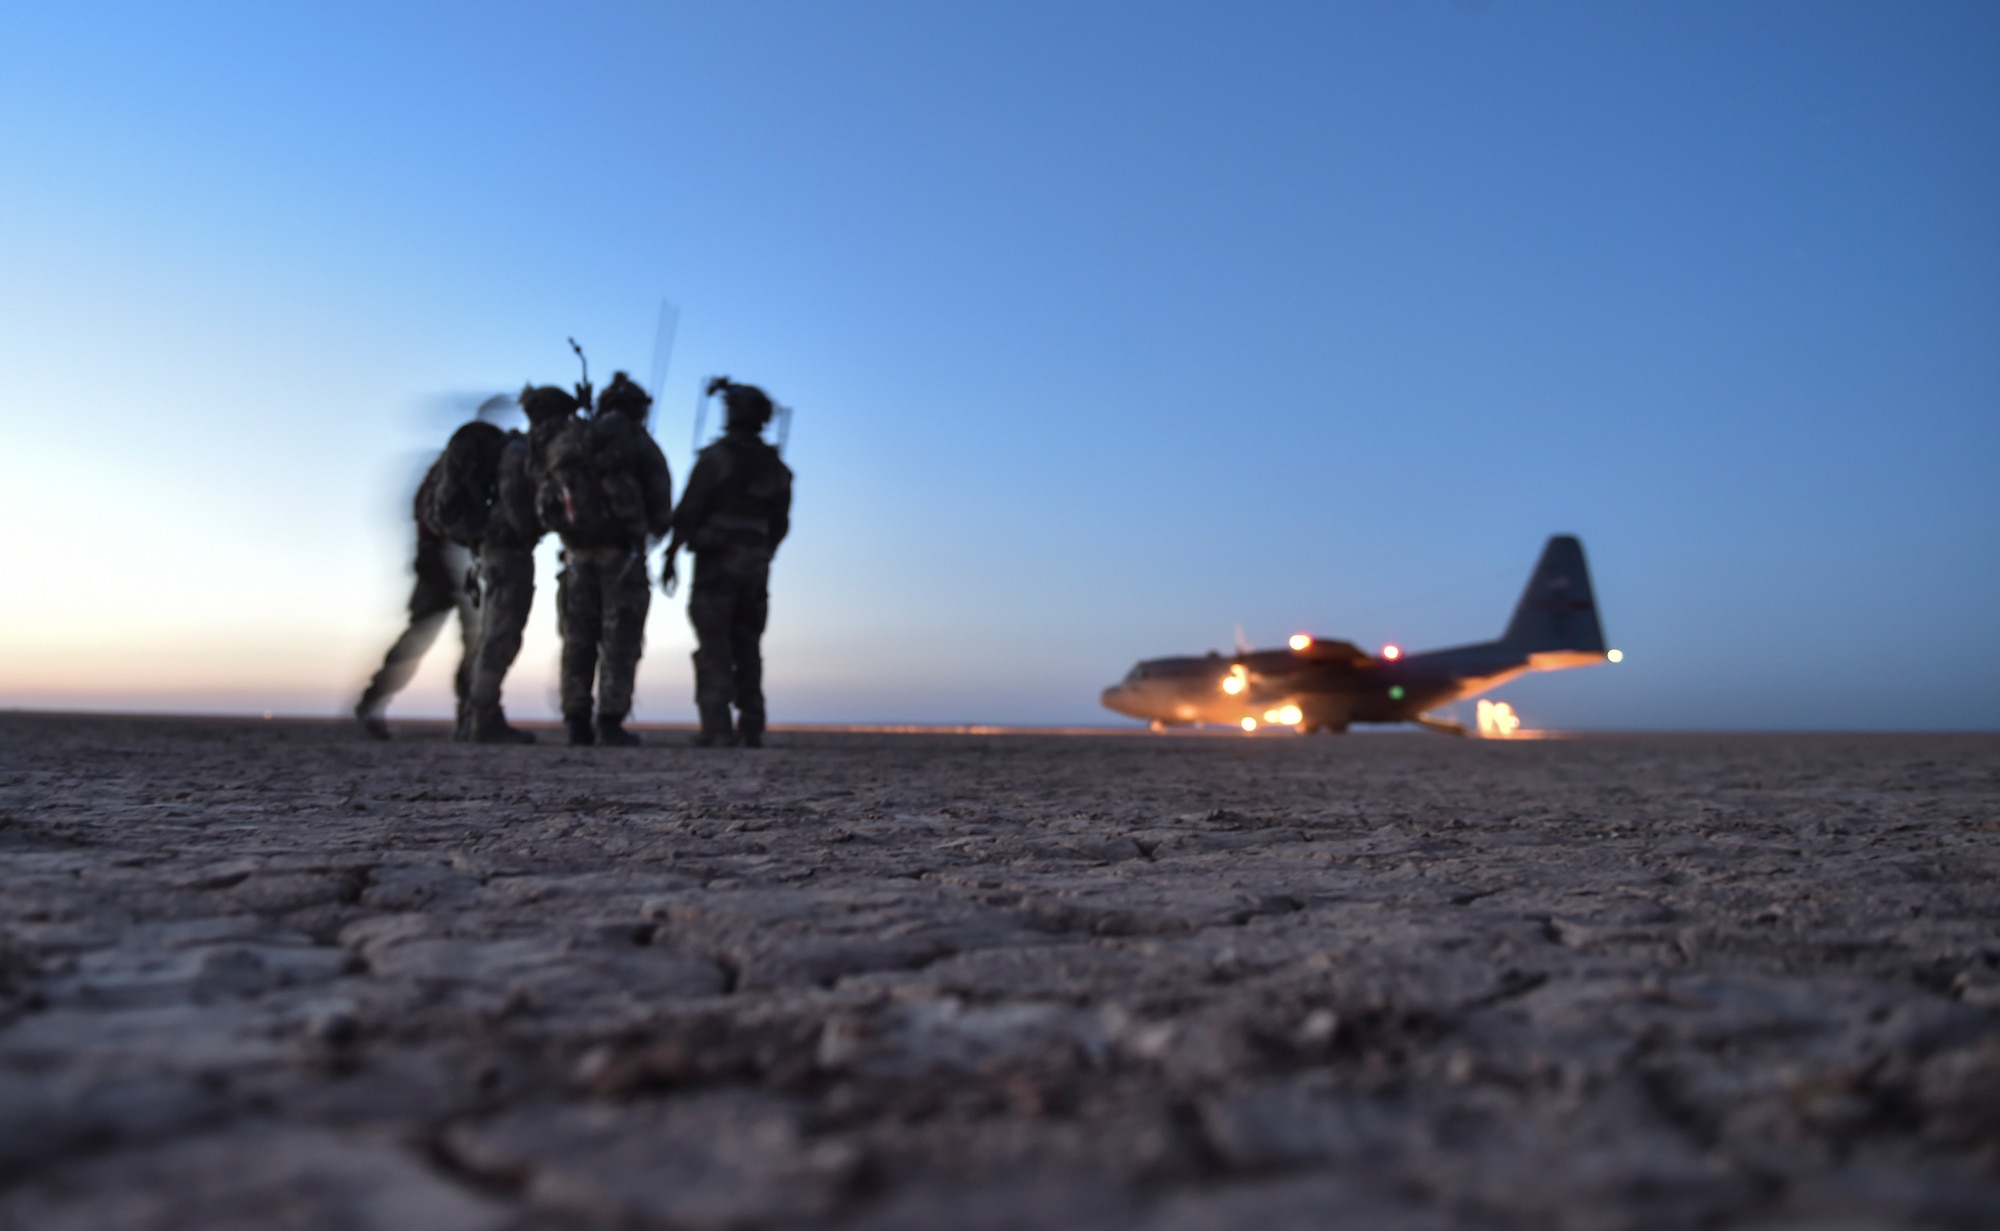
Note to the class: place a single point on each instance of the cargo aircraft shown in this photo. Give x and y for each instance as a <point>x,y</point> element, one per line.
<point>1316,685</point>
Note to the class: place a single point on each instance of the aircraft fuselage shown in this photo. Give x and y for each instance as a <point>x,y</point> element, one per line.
<point>1332,684</point>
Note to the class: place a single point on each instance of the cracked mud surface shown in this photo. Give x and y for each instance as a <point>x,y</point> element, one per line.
<point>268,974</point>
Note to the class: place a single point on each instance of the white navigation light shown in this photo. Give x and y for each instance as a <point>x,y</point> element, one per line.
<point>1289,715</point>
<point>1392,652</point>
<point>1301,642</point>
<point>1616,656</point>
<point>1249,724</point>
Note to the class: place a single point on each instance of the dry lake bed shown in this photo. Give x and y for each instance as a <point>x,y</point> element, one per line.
<point>268,974</point>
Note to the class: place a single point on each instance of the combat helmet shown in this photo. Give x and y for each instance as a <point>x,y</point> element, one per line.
<point>748,406</point>
<point>625,396</point>
<point>545,402</point>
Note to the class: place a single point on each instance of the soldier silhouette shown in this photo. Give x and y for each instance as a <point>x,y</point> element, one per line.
<point>734,514</point>
<point>507,567</point>
<point>604,487</point>
<point>451,510</point>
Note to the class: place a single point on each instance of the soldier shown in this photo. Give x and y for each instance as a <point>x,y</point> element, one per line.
<point>735,512</point>
<point>452,509</point>
<point>605,488</point>
<point>507,567</point>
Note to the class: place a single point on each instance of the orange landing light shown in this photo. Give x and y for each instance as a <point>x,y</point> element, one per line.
<point>1301,642</point>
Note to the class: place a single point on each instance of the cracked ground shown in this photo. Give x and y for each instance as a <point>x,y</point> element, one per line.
<point>267,974</point>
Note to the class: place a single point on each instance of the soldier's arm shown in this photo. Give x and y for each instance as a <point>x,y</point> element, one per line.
<point>709,469</point>
<point>781,518</point>
<point>658,483</point>
<point>516,494</point>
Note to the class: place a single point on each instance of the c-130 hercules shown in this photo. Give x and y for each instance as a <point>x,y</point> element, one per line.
<point>1326,685</point>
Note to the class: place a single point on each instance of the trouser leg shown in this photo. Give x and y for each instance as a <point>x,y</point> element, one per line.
<point>711,611</point>
<point>627,598</point>
<point>746,632</point>
<point>580,603</point>
<point>509,594</point>
<point>471,623</point>
<point>436,594</point>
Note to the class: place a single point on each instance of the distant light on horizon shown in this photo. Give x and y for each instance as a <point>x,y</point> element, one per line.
<point>1301,641</point>
<point>1249,724</point>
<point>1392,652</point>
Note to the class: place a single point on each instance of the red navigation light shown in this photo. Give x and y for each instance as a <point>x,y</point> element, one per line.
<point>1392,652</point>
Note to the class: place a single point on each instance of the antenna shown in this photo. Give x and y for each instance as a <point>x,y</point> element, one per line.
<point>663,345</point>
<point>709,388</point>
<point>784,417</point>
<point>700,414</point>
<point>1242,642</point>
<point>583,387</point>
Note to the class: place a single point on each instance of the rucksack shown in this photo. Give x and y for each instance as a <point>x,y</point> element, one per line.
<point>456,500</point>
<point>589,486</point>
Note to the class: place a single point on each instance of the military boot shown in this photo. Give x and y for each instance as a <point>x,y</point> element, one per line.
<point>611,733</point>
<point>370,719</point>
<point>489,726</point>
<point>716,731</point>
<point>750,734</point>
<point>581,733</point>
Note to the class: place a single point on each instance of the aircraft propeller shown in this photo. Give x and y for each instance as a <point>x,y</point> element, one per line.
<point>444,412</point>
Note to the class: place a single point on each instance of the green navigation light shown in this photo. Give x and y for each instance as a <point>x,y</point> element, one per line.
<point>1395,692</point>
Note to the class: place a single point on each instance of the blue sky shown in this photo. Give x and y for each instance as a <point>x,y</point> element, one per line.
<point>1109,327</point>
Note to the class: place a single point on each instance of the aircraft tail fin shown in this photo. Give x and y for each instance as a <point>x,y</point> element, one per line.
<point>1557,611</point>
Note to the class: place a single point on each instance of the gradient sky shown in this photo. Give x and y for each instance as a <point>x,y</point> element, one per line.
<point>1109,327</point>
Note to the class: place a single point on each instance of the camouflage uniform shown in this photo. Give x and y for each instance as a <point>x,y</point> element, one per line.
<point>452,506</point>
<point>735,512</point>
<point>606,490</point>
<point>603,596</point>
<point>507,585</point>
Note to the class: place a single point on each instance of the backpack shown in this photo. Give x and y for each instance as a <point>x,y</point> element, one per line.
<point>589,486</point>
<point>456,500</point>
